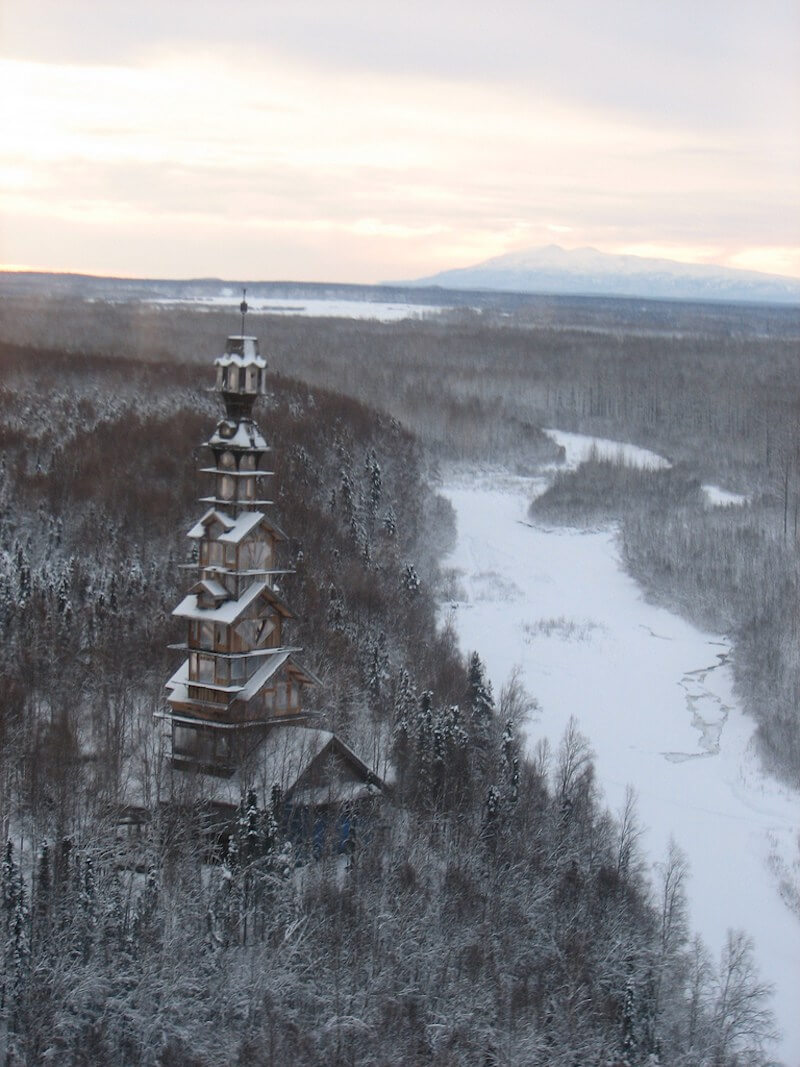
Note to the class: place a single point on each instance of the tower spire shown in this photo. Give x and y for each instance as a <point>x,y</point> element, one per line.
<point>243,308</point>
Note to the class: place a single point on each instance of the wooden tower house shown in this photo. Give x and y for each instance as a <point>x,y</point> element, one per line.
<point>238,677</point>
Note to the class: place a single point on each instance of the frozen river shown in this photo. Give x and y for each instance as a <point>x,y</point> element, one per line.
<point>654,696</point>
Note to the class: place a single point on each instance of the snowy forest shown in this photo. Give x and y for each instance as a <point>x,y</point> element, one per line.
<point>494,912</point>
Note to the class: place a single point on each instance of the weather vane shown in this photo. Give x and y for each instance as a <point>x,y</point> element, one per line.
<point>243,308</point>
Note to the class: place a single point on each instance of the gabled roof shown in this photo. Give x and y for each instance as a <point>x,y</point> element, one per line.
<point>227,613</point>
<point>235,529</point>
<point>231,611</point>
<point>179,682</point>
<point>295,758</point>
<point>286,756</point>
<point>212,515</point>
<point>215,589</point>
<point>262,676</point>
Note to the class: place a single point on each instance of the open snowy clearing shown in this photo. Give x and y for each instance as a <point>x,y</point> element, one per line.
<point>721,498</point>
<point>579,447</point>
<point>316,308</point>
<point>654,696</point>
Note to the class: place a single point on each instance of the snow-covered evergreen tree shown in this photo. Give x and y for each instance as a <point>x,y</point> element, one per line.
<point>481,701</point>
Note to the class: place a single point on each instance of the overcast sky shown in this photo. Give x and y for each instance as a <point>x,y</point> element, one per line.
<point>360,141</point>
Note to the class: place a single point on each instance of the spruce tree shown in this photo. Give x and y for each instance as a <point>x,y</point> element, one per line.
<point>481,701</point>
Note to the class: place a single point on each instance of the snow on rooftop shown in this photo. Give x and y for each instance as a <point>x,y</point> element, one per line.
<point>212,515</point>
<point>180,677</point>
<point>241,351</point>
<point>244,434</point>
<point>228,612</point>
<point>215,588</point>
<point>240,361</point>
<point>178,684</point>
<point>244,524</point>
<point>235,529</point>
<point>263,675</point>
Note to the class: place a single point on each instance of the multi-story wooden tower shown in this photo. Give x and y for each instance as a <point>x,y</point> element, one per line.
<point>239,678</point>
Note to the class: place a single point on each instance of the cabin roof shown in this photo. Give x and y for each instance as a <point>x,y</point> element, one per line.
<point>241,351</point>
<point>228,612</point>
<point>179,682</point>
<point>287,753</point>
<point>231,610</point>
<point>262,676</point>
<point>236,530</point>
<point>212,587</point>
<point>243,434</point>
<point>283,758</point>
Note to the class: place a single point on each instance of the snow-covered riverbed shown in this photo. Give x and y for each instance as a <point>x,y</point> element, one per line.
<point>654,696</point>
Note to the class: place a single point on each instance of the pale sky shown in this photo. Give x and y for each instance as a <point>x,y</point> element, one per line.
<point>363,140</point>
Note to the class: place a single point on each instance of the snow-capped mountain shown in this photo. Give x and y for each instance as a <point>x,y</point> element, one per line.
<point>586,271</point>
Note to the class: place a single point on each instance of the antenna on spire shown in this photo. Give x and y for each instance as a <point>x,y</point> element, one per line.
<point>243,308</point>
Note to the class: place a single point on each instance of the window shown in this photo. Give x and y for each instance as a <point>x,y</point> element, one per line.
<point>265,631</point>
<point>201,668</point>
<point>226,487</point>
<point>200,743</point>
<point>205,669</point>
<point>227,461</point>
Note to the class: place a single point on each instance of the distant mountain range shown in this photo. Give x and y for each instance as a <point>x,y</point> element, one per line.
<point>587,272</point>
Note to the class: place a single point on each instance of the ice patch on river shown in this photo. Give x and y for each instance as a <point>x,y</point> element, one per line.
<point>655,697</point>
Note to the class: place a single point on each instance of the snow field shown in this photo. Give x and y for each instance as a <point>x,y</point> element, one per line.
<point>337,309</point>
<point>654,696</point>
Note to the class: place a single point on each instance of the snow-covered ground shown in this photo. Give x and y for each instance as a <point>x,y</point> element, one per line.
<point>722,498</point>
<point>654,696</point>
<point>337,309</point>
<point>579,447</point>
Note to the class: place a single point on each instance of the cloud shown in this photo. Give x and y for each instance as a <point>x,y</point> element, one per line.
<point>727,62</point>
<point>446,130</point>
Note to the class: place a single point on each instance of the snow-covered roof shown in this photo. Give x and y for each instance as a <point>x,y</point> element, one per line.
<point>281,759</point>
<point>287,752</point>
<point>241,351</point>
<point>244,434</point>
<point>243,524</point>
<point>180,677</point>
<point>235,529</point>
<point>228,612</point>
<point>212,587</point>
<point>212,515</point>
<point>179,683</point>
<point>262,676</point>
